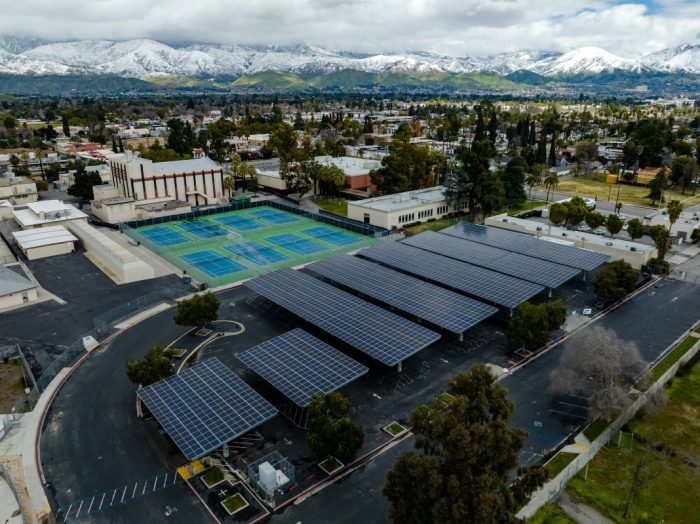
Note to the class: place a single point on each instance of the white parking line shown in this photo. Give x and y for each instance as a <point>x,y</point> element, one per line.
<point>165,479</point>
<point>134,492</point>
<point>113,495</point>
<point>174,478</point>
<point>144,487</point>
<point>79,508</point>
<point>67,513</point>
<point>154,484</point>
<point>102,501</point>
<point>90,508</point>
<point>122,500</point>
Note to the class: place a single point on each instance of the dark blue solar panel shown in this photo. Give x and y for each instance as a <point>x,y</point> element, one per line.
<point>525,244</point>
<point>478,282</point>
<point>205,407</point>
<point>439,306</point>
<point>384,336</point>
<point>300,365</point>
<point>514,264</point>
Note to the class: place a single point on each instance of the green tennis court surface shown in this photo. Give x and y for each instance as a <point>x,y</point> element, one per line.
<point>226,247</point>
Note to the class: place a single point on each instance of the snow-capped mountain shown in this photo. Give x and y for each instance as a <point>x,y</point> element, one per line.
<point>144,58</point>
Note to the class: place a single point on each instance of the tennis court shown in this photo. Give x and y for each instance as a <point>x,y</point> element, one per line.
<point>240,223</point>
<point>164,236</point>
<point>212,263</point>
<point>296,244</point>
<point>225,247</point>
<point>276,217</point>
<point>339,238</point>
<point>256,253</point>
<point>203,229</point>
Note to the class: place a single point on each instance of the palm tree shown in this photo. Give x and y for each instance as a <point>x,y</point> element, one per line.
<point>531,181</point>
<point>40,155</point>
<point>675,208</point>
<point>229,183</point>
<point>551,181</point>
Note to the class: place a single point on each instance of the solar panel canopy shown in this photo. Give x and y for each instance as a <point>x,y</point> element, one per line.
<point>441,307</point>
<point>516,265</point>
<point>205,407</point>
<point>300,365</point>
<point>382,335</point>
<point>525,244</point>
<point>476,281</point>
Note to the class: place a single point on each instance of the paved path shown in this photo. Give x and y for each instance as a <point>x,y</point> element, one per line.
<point>580,512</point>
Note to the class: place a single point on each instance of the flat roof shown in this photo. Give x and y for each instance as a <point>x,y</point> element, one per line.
<point>57,210</point>
<point>45,236</point>
<point>11,282</point>
<point>351,166</point>
<point>400,201</point>
<point>184,166</point>
<point>112,201</point>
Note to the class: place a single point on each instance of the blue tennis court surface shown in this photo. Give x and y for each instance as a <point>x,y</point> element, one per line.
<point>276,217</point>
<point>338,238</point>
<point>296,244</point>
<point>212,263</point>
<point>203,229</point>
<point>239,222</point>
<point>256,253</point>
<point>164,236</point>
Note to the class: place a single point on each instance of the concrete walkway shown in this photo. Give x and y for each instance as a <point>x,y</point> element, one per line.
<point>581,513</point>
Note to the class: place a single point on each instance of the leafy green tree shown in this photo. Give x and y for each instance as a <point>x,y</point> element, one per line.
<point>675,208</point>
<point>241,170</point>
<point>52,171</point>
<point>331,430</point>
<point>652,134</point>
<point>586,152</point>
<point>577,211</point>
<point>614,224</point>
<point>197,311</point>
<point>661,237</point>
<point>615,281</point>
<point>657,187</point>
<point>65,125</point>
<point>514,180</point>
<point>156,365</point>
<point>531,181</point>
<point>181,137</point>
<point>83,182</point>
<point>558,213</point>
<point>297,180</point>
<point>594,219</point>
<point>533,324</point>
<point>684,170</point>
<point>9,122</point>
<point>470,180</point>
<point>163,155</point>
<point>467,450</point>
<point>635,229</point>
<point>283,141</point>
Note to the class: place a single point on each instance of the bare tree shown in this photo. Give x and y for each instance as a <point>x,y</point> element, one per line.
<point>597,361</point>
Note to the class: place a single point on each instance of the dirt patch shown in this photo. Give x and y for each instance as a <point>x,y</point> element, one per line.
<point>11,384</point>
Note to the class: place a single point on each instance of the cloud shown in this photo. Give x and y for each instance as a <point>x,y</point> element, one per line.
<point>456,27</point>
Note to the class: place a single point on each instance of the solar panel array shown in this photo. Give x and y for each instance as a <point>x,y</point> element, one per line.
<point>476,281</point>
<point>300,365</point>
<point>384,336</point>
<point>516,265</point>
<point>205,406</point>
<point>525,244</point>
<point>441,307</point>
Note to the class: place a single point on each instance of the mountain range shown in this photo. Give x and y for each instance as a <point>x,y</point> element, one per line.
<point>179,65</point>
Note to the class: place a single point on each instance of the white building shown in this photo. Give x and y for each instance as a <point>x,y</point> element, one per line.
<point>109,206</point>
<point>18,190</point>
<point>45,242</point>
<point>199,181</point>
<point>401,209</point>
<point>46,213</point>
<point>15,289</point>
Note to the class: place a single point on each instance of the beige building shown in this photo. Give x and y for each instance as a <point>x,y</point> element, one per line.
<point>18,190</point>
<point>109,206</point>
<point>15,289</point>
<point>45,242</point>
<point>198,181</point>
<point>401,209</point>
<point>46,213</point>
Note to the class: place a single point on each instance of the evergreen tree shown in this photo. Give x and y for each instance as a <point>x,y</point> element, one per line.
<point>514,180</point>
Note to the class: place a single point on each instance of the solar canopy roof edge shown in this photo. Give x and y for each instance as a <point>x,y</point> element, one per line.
<point>382,335</point>
<point>481,283</point>
<point>439,306</point>
<point>299,365</point>
<point>525,244</point>
<point>184,419</point>
<point>520,266</point>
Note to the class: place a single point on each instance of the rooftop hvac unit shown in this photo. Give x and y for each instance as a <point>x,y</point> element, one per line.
<point>539,228</point>
<point>633,248</point>
<point>564,235</point>
<point>608,243</point>
<point>505,220</point>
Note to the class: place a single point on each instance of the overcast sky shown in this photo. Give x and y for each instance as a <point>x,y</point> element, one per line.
<point>454,27</point>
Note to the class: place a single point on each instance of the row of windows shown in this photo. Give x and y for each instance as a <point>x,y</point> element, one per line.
<point>409,217</point>
<point>442,210</point>
<point>427,213</point>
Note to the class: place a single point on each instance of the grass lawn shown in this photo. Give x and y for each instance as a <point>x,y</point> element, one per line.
<point>213,476</point>
<point>697,329</point>
<point>550,514</point>
<point>525,206</point>
<point>559,462</point>
<point>330,464</point>
<point>636,195</point>
<point>670,359</point>
<point>234,503</point>
<point>394,428</point>
<point>337,206</point>
<point>669,489</point>
<point>11,385</point>
<point>435,225</point>
<point>595,428</point>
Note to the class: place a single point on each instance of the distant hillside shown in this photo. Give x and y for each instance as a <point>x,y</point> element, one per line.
<point>70,84</point>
